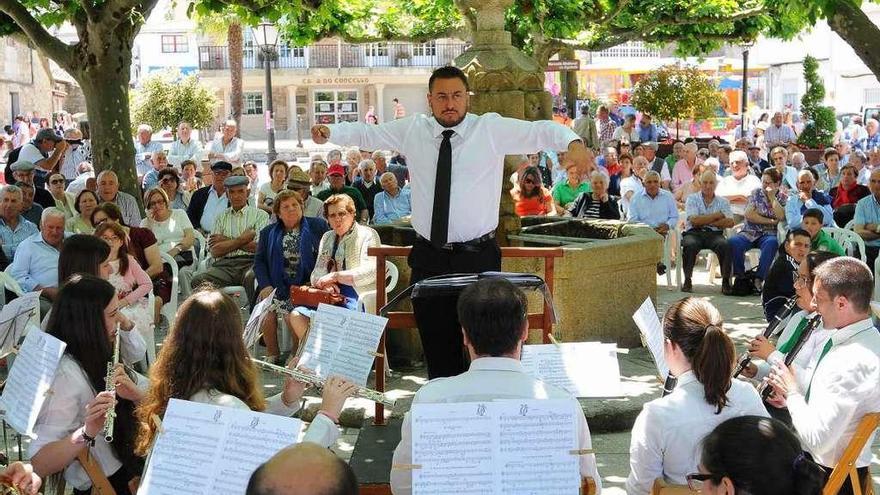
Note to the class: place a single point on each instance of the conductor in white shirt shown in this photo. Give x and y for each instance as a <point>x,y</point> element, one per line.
<point>494,325</point>
<point>845,381</point>
<point>454,214</point>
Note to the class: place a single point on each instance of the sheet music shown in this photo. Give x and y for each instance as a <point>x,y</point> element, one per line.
<point>500,447</point>
<point>29,380</point>
<point>252,329</point>
<point>211,450</point>
<point>584,369</point>
<point>652,334</point>
<point>342,342</point>
<point>14,318</point>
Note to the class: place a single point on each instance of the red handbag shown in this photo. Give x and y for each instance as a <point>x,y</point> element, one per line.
<point>306,295</point>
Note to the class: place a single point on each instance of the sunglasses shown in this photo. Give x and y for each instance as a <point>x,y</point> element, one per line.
<point>695,481</point>
<point>56,181</point>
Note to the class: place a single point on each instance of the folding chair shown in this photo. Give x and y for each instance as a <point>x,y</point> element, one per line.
<point>846,466</point>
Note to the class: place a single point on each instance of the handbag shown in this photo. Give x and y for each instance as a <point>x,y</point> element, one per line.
<point>306,295</point>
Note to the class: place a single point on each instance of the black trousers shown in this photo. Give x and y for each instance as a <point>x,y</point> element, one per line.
<point>437,317</point>
<point>847,488</point>
<point>693,241</point>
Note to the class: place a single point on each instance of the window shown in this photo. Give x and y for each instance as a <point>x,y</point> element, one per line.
<point>332,106</point>
<point>253,103</point>
<point>872,96</point>
<point>376,49</point>
<point>791,93</point>
<point>175,43</point>
<point>428,49</point>
<point>287,51</point>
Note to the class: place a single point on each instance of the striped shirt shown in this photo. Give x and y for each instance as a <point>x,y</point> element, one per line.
<point>233,223</point>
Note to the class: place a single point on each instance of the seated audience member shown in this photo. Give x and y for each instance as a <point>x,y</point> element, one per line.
<point>85,204</point>
<point>185,148</point>
<point>29,209</point>
<point>108,192</point>
<point>63,201</point>
<point>611,166</point>
<point>298,180</point>
<point>368,185</point>
<point>858,159</point>
<point>86,172</point>
<point>35,266</point>
<point>631,173</point>
<point>799,161</point>
<point>656,208</point>
<point>393,203</point>
<point>189,179</point>
<point>779,284</point>
<point>304,469</point>
<point>85,317</point>
<point>251,172</point>
<point>158,162</point>
<point>686,168</point>
<point>707,215</point>
<point>343,265</point>
<point>597,204</point>
<point>286,254</point>
<point>819,239</point>
<point>227,147</point>
<point>492,313</point>
<point>846,194</point>
<point>318,176</point>
<point>775,464</point>
<point>763,213</point>
<point>529,196</point>
<point>169,181</point>
<point>277,181</point>
<point>806,197</point>
<point>207,203</point>
<point>565,192</point>
<point>788,173</point>
<point>657,164</point>
<point>757,163</point>
<point>14,228</point>
<point>23,171</point>
<point>845,378</point>
<point>233,241</point>
<point>829,170</point>
<point>739,185</point>
<point>336,177</point>
<point>667,433</point>
<point>203,359</point>
<point>170,226</point>
<point>676,155</point>
<point>401,173</point>
<point>867,218</point>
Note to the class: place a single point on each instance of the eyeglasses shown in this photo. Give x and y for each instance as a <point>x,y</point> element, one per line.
<point>338,214</point>
<point>56,181</point>
<point>802,281</point>
<point>695,481</point>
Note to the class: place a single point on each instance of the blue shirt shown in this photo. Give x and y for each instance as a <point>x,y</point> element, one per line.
<point>695,206</point>
<point>648,133</point>
<point>388,209</point>
<point>868,211</point>
<point>795,208</point>
<point>35,265</point>
<point>144,164</point>
<point>11,238</point>
<point>654,211</point>
<point>151,179</point>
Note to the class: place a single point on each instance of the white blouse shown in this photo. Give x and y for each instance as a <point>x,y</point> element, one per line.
<point>170,232</point>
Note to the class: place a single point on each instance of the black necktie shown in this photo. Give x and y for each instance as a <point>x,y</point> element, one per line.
<point>442,185</point>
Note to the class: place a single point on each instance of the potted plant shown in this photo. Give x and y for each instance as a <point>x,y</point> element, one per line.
<point>821,124</point>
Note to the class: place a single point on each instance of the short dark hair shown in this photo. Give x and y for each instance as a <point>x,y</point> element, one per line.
<point>814,213</point>
<point>848,277</point>
<point>773,174</point>
<point>492,312</point>
<point>448,72</point>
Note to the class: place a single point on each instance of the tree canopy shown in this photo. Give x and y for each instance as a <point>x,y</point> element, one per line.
<point>672,93</point>
<point>167,98</point>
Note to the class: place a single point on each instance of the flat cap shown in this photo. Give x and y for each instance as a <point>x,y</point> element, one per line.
<point>221,165</point>
<point>236,180</point>
<point>23,166</point>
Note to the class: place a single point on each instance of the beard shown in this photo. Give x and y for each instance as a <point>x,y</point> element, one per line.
<point>451,122</point>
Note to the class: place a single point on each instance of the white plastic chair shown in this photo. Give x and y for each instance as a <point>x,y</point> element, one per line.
<point>671,236</point>
<point>848,240</point>
<point>367,300</point>
<point>7,282</point>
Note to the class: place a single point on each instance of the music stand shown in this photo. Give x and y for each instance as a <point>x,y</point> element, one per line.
<point>14,320</point>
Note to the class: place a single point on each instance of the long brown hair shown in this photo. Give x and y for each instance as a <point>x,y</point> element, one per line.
<point>695,325</point>
<point>122,253</point>
<point>203,350</point>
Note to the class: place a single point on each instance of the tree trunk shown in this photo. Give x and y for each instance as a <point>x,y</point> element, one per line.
<point>236,62</point>
<point>857,29</point>
<point>569,83</point>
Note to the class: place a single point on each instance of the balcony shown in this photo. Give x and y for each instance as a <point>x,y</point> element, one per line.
<point>339,55</point>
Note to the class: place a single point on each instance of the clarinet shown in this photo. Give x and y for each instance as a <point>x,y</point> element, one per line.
<point>765,389</point>
<point>778,318</point>
<point>111,387</point>
<point>669,384</point>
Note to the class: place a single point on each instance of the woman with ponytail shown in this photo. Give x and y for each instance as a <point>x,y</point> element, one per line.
<point>666,435</point>
<point>775,463</point>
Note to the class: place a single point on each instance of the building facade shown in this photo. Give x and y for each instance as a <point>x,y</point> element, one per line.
<point>26,82</point>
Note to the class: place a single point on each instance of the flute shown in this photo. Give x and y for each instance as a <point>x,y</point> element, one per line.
<point>765,389</point>
<point>780,315</point>
<point>362,392</point>
<point>111,387</point>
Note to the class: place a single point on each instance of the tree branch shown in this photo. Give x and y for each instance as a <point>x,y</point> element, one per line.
<point>457,33</point>
<point>54,48</point>
<point>89,7</point>
<point>608,17</point>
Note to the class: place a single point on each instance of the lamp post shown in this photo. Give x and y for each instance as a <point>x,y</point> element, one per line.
<point>266,37</point>
<point>745,88</point>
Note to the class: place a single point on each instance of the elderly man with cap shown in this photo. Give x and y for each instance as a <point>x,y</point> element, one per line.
<point>299,181</point>
<point>45,151</point>
<point>108,192</point>
<point>757,163</point>
<point>209,201</point>
<point>23,171</point>
<point>78,152</point>
<point>393,203</point>
<point>336,176</point>
<point>233,240</point>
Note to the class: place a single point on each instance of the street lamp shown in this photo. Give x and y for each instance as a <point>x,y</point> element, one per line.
<point>266,37</point>
<point>745,86</point>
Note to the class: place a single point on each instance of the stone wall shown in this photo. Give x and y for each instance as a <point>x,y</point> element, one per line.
<point>26,72</point>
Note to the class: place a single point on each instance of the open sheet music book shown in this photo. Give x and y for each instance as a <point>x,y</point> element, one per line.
<point>30,380</point>
<point>652,334</point>
<point>516,446</point>
<point>584,369</point>
<point>14,318</point>
<point>252,329</point>
<point>212,450</point>
<point>342,342</point>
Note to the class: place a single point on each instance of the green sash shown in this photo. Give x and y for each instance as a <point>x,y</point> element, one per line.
<point>784,348</point>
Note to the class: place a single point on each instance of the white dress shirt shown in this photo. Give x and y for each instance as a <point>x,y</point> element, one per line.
<point>321,431</point>
<point>666,437</point>
<point>731,186</point>
<point>845,386</point>
<point>231,152</point>
<point>213,208</point>
<point>180,151</point>
<point>802,360</point>
<point>479,145</point>
<point>488,379</point>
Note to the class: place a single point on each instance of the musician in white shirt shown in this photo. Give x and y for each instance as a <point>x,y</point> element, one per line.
<point>456,163</point>
<point>667,433</point>
<point>845,376</point>
<point>204,360</point>
<point>495,326</point>
<point>85,317</point>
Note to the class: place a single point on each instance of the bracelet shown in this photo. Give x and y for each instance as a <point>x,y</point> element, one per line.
<point>88,439</point>
<point>329,416</point>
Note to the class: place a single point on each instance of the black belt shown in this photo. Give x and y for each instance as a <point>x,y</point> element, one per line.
<point>471,246</point>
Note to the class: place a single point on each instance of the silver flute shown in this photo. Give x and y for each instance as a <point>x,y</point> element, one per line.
<point>111,387</point>
<point>362,392</point>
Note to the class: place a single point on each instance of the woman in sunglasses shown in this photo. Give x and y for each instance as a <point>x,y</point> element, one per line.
<point>169,181</point>
<point>170,225</point>
<point>531,197</point>
<point>63,202</point>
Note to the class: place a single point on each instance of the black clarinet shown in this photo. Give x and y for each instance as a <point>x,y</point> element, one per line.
<point>778,318</point>
<point>767,390</point>
<point>669,384</point>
